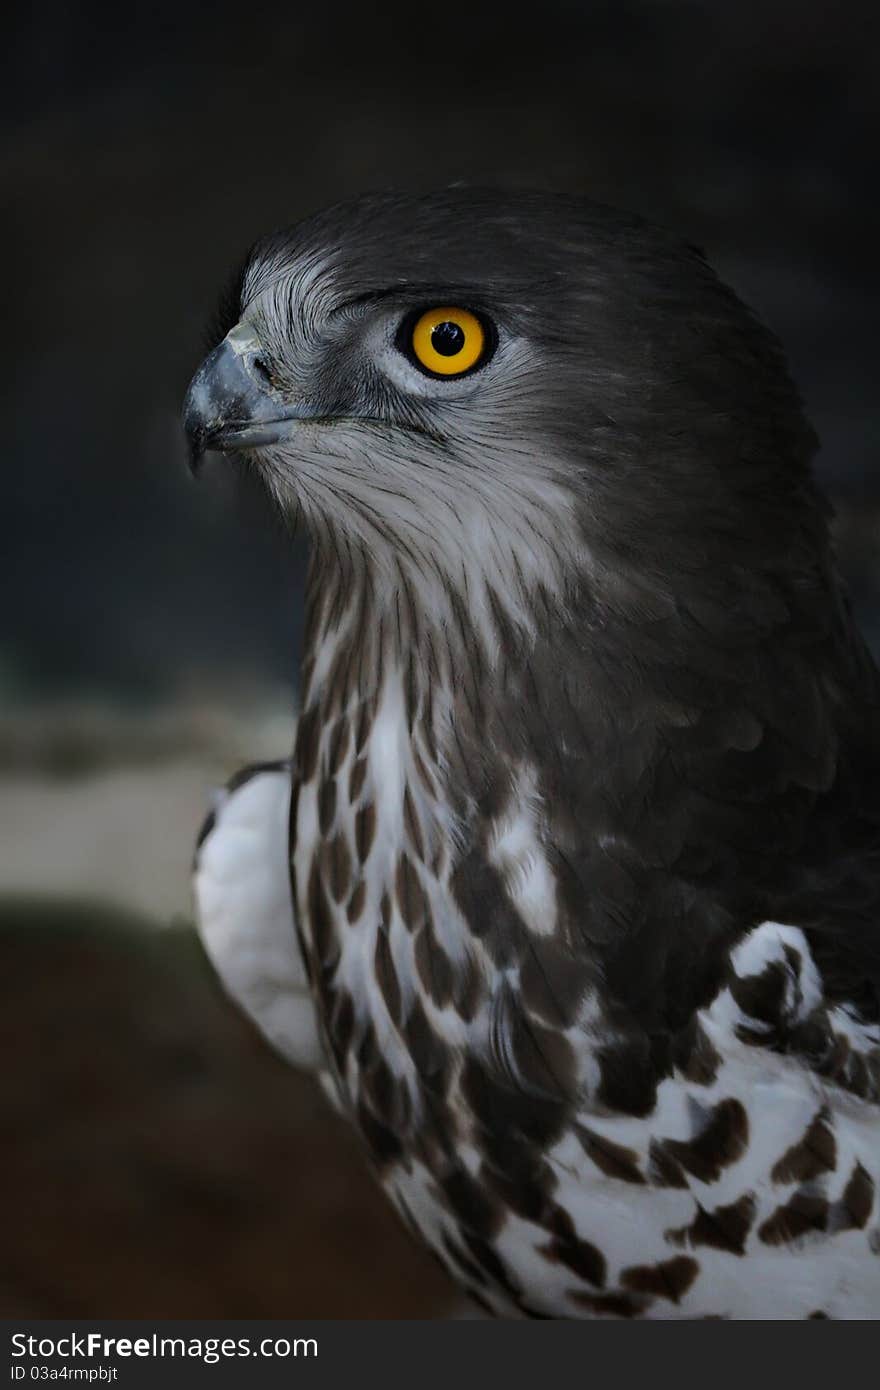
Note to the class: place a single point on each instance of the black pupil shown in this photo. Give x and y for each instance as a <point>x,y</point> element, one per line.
<point>447,339</point>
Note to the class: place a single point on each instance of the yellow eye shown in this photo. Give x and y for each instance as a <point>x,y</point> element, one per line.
<point>448,341</point>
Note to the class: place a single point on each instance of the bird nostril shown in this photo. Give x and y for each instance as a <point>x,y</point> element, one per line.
<point>261,371</point>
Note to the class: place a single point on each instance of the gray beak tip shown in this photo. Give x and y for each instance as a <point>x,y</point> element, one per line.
<point>230,404</point>
<point>195,429</point>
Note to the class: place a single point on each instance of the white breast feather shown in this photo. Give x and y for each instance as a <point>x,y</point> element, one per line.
<point>246,922</point>
<point>244,915</point>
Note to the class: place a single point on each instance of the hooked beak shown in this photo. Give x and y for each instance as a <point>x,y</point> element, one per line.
<point>231,403</point>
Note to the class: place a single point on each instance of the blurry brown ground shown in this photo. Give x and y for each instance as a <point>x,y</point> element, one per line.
<point>157,1160</point>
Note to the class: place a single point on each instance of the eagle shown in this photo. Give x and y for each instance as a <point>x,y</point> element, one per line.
<point>571,885</point>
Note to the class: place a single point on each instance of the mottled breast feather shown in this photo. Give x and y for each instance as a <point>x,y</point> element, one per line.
<point>593,1074</point>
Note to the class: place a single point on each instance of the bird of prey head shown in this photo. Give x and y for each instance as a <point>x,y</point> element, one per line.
<point>517,391</point>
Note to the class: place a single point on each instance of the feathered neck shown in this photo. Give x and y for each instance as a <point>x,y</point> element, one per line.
<point>453,628</point>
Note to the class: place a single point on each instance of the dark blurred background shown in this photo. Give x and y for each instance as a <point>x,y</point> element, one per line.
<point>151,627</point>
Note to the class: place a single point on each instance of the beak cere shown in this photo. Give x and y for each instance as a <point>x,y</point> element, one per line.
<point>231,403</point>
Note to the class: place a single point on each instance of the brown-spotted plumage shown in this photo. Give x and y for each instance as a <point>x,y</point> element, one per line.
<point>584,828</point>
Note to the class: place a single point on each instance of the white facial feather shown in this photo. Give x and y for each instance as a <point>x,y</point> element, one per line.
<point>440,493</point>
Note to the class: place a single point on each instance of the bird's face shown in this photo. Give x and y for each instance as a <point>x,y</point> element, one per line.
<point>487,382</point>
<point>384,377</point>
